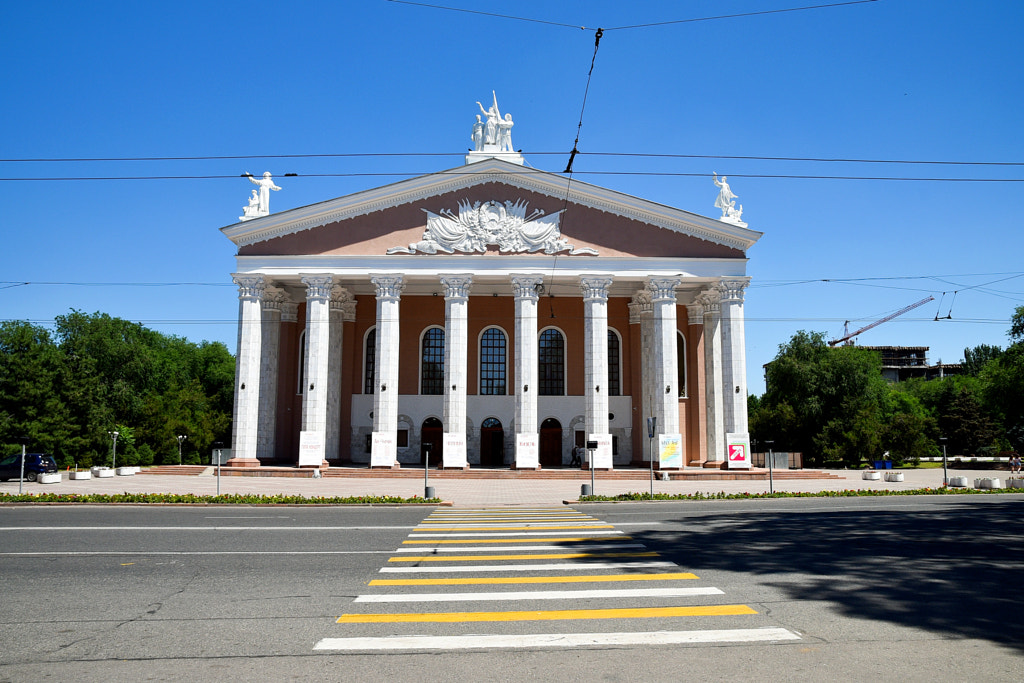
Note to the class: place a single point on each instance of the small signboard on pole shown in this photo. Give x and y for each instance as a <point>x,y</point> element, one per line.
<point>737,451</point>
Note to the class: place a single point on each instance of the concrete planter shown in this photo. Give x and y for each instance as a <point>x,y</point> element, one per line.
<point>83,474</point>
<point>894,476</point>
<point>102,472</point>
<point>48,478</point>
<point>1015,483</point>
<point>988,483</point>
<point>125,471</point>
<point>958,482</point>
<point>872,475</point>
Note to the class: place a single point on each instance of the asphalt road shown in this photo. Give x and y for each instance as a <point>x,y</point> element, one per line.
<point>911,588</point>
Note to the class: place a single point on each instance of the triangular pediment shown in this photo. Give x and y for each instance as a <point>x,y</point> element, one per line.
<point>591,219</point>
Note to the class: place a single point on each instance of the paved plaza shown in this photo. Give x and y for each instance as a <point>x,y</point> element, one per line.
<point>475,491</point>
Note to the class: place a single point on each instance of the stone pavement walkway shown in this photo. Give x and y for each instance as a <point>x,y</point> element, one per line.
<point>474,491</point>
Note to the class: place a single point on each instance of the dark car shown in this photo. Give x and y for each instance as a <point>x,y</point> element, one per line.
<point>35,464</point>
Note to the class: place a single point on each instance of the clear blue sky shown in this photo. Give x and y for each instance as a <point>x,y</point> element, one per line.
<point>918,80</point>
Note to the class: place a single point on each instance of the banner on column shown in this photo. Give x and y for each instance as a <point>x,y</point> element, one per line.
<point>454,450</point>
<point>527,453</point>
<point>311,449</point>
<point>670,451</point>
<point>383,449</point>
<point>737,451</point>
<point>603,455</point>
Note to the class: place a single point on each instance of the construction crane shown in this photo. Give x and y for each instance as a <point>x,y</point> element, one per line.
<point>848,336</point>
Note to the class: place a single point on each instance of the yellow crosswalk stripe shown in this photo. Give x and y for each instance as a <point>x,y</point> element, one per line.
<point>558,556</point>
<point>549,615</point>
<point>575,539</point>
<point>493,580</point>
<point>513,528</point>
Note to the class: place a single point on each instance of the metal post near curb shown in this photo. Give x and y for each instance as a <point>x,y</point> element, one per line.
<point>113,435</point>
<point>218,445</point>
<point>21,479</point>
<point>771,462</point>
<point>180,437</point>
<point>651,423</point>
<point>428,490</point>
<point>945,478</point>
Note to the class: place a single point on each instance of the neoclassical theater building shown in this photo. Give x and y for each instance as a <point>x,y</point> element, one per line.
<point>490,315</point>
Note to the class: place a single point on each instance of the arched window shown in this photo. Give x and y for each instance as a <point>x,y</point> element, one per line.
<point>492,362</point>
<point>370,362</point>
<point>432,362</point>
<point>614,363</point>
<point>681,362</point>
<point>551,360</point>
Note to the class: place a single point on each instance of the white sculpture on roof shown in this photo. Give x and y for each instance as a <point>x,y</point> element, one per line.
<point>479,225</point>
<point>492,137</point>
<point>726,201</point>
<point>262,207</point>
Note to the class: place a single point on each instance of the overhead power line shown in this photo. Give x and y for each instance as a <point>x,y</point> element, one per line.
<point>638,155</point>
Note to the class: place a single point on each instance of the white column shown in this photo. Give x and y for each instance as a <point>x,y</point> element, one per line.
<point>385,394</point>
<point>527,430</point>
<point>456,370</point>
<point>313,438</point>
<point>270,345</point>
<point>640,312</point>
<point>665,391</point>
<point>734,355</point>
<point>709,301</point>
<point>696,381</point>
<point>342,309</point>
<point>595,361</point>
<point>247,370</point>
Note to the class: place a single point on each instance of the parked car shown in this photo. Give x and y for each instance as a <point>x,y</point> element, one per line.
<point>35,464</point>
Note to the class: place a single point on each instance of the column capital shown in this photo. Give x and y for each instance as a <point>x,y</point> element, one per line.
<point>525,286</point>
<point>639,305</point>
<point>732,289</point>
<point>289,311</point>
<point>663,288</point>
<point>389,287</point>
<point>273,298</point>
<point>318,287</point>
<point>342,301</point>
<point>595,287</point>
<point>710,300</point>
<point>456,286</point>
<point>694,314</point>
<point>250,287</point>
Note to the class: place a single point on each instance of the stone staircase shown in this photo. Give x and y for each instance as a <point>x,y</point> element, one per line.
<point>624,474</point>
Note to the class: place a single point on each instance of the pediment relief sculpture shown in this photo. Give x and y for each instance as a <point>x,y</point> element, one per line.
<point>479,225</point>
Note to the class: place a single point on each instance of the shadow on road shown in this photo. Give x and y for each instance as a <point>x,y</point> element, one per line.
<point>954,570</point>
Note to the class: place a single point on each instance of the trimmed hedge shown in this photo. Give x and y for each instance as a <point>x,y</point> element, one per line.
<point>847,493</point>
<point>192,499</point>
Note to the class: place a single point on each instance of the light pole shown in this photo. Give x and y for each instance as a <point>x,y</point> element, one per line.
<point>771,459</point>
<point>21,479</point>
<point>181,438</point>
<point>428,490</point>
<point>113,436</point>
<point>945,478</point>
<point>651,424</point>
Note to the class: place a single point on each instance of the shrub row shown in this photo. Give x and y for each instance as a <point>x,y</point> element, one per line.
<point>192,499</point>
<point>847,493</point>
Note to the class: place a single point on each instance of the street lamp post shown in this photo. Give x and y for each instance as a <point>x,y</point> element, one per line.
<point>945,477</point>
<point>651,426</point>
<point>181,438</point>
<point>771,462</point>
<point>113,436</point>
<point>21,479</point>
<point>428,490</point>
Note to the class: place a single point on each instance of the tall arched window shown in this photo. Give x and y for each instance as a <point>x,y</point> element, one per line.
<point>614,363</point>
<point>492,362</point>
<point>432,362</point>
<point>681,362</point>
<point>370,362</point>
<point>551,359</point>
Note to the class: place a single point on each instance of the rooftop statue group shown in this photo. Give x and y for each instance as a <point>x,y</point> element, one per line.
<point>494,134</point>
<point>259,200</point>
<point>726,201</point>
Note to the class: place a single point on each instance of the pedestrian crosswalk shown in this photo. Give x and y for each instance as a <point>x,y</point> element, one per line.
<point>556,570</point>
